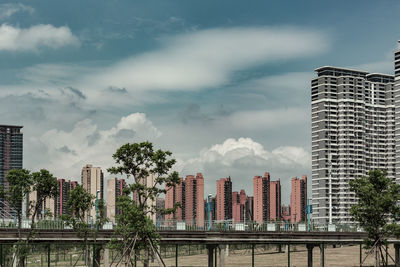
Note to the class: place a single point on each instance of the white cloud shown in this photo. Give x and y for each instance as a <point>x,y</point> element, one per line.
<point>243,158</point>
<point>208,58</point>
<point>67,151</point>
<point>31,39</point>
<point>9,9</point>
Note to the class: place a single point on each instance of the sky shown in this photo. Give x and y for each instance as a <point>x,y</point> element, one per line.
<point>224,85</point>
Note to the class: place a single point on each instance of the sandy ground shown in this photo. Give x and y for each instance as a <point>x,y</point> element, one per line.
<point>339,256</point>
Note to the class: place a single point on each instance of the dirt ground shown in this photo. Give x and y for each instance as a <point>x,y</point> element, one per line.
<point>339,256</point>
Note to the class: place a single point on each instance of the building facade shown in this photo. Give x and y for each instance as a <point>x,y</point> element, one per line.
<point>11,150</point>
<point>397,109</point>
<point>190,194</point>
<point>93,182</point>
<point>353,131</point>
<point>115,188</point>
<point>194,199</point>
<point>261,195</point>
<point>275,200</point>
<point>64,187</point>
<point>298,199</point>
<point>224,199</point>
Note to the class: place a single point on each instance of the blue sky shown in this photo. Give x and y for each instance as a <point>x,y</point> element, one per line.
<point>224,85</point>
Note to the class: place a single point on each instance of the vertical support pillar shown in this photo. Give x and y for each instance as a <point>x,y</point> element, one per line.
<point>48,255</point>
<point>222,250</point>
<point>397,255</point>
<point>106,257</point>
<point>1,255</point>
<point>309,255</point>
<point>176,255</point>
<point>252,255</point>
<point>322,251</point>
<point>288,255</point>
<point>94,256</point>
<point>210,251</point>
<point>360,255</point>
<point>215,256</point>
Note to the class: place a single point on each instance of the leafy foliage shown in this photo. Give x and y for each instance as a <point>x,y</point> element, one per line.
<point>79,203</point>
<point>377,208</point>
<point>45,186</point>
<point>141,162</point>
<point>19,186</point>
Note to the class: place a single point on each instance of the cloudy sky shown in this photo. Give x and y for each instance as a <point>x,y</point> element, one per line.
<point>224,85</point>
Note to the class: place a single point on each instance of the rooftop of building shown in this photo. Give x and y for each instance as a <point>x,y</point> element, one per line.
<point>10,126</point>
<point>339,71</point>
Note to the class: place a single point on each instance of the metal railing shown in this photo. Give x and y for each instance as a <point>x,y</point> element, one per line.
<point>175,225</point>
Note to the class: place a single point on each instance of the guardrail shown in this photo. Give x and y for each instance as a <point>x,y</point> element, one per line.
<point>274,226</point>
<point>173,225</point>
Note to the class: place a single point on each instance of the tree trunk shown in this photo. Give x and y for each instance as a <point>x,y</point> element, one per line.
<point>146,262</point>
<point>377,259</point>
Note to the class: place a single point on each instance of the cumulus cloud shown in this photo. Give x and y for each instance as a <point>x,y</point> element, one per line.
<point>243,158</point>
<point>9,9</point>
<point>67,151</point>
<point>38,36</point>
<point>208,58</point>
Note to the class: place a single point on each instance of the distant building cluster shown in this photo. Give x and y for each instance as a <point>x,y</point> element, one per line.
<point>264,206</point>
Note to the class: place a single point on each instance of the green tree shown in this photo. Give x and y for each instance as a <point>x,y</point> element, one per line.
<point>150,170</point>
<point>45,187</point>
<point>19,185</point>
<point>78,205</point>
<point>376,210</point>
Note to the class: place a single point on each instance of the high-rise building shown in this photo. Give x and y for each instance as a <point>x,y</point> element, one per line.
<point>250,209</point>
<point>190,194</point>
<point>261,194</point>
<point>11,148</point>
<point>239,212</point>
<point>397,109</point>
<point>213,207</point>
<point>275,200</point>
<point>47,209</point>
<point>224,199</point>
<point>175,195</point>
<point>160,203</point>
<point>115,188</point>
<point>237,209</point>
<point>63,187</point>
<point>353,131</point>
<point>298,199</point>
<point>194,199</point>
<point>93,181</point>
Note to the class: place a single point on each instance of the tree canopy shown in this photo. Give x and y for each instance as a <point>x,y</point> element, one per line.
<point>377,209</point>
<point>150,170</point>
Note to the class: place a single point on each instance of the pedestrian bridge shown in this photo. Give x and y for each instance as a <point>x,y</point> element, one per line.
<point>216,242</point>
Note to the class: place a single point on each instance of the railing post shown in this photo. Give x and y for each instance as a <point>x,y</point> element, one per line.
<point>309,255</point>
<point>210,251</point>
<point>252,255</point>
<point>288,255</point>
<point>360,254</point>
<point>176,255</point>
<point>397,255</point>
<point>48,255</point>
<point>215,256</point>
<point>322,250</point>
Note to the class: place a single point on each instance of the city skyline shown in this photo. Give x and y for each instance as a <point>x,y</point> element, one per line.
<point>227,92</point>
